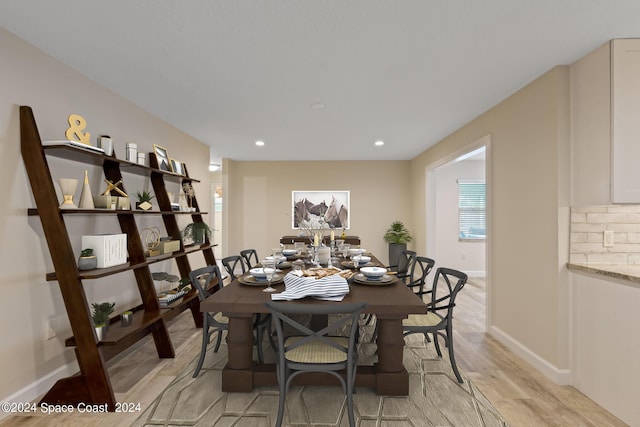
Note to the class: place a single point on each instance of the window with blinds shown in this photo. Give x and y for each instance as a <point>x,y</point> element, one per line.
<point>472,201</point>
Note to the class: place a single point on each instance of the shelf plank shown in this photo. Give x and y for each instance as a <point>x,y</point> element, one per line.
<point>98,159</point>
<point>98,273</point>
<point>34,212</point>
<point>141,321</point>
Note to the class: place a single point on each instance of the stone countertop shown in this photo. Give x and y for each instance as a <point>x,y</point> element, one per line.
<point>629,272</point>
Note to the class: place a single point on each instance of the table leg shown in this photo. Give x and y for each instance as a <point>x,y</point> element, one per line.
<point>237,375</point>
<point>391,376</point>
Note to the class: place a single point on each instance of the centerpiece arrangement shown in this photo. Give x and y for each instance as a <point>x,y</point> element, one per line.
<point>314,226</point>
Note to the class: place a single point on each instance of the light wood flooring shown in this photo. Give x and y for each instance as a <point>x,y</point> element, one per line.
<point>521,394</point>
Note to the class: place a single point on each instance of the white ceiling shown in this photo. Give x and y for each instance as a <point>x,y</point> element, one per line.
<point>408,72</point>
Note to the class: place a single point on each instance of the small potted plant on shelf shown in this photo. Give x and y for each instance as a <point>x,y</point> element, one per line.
<point>196,232</point>
<point>397,236</point>
<point>100,316</point>
<point>87,260</point>
<point>126,317</point>
<point>144,200</point>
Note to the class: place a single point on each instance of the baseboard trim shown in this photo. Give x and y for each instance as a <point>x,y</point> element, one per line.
<point>39,387</point>
<point>555,374</point>
<point>476,273</point>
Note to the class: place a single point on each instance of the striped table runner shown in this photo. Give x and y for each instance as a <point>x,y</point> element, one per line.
<point>332,288</point>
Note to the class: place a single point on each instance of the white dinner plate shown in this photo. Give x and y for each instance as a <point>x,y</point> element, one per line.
<point>383,281</point>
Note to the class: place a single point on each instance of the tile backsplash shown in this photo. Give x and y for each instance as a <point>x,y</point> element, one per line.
<point>588,225</point>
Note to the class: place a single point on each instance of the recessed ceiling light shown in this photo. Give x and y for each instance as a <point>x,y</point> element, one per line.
<point>259,143</point>
<point>317,106</point>
<point>378,143</point>
<point>213,167</point>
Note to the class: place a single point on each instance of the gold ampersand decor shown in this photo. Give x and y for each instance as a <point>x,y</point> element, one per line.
<point>77,124</point>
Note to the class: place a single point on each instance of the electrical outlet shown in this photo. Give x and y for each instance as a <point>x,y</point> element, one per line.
<point>607,240</point>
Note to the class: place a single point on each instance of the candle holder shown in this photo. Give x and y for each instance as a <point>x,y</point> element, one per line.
<point>68,187</point>
<point>314,254</point>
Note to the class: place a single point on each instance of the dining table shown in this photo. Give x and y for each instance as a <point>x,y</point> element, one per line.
<point>390,302</point>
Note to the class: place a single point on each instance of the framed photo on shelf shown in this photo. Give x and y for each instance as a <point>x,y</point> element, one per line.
<point>176,166</point>
<point>163,158</point>
<point>309,208</point>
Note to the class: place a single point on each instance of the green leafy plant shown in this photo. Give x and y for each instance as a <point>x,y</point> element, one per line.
<point>145,196</point>
<point>397,233</point>
<point>87,252</point>
<point>194,230</point>
<point>101,313</point>
<point>184,282</point>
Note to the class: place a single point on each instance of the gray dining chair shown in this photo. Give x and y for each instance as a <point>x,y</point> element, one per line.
<point>213,323</point>
<point>438,319</point>
<point>420,269</point>
<point>403,265</point>
<point>216,323</point>
<point>417,279</point>
<point>233,264</point>
<point>316,351</point>
<point>250,257</point>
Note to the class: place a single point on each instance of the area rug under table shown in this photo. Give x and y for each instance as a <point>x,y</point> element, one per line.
<point>435,398</point>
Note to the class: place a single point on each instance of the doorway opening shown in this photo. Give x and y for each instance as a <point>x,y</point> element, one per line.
<point>459,216</point>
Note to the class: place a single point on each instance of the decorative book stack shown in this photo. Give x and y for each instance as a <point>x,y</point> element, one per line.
<point>167,298</point>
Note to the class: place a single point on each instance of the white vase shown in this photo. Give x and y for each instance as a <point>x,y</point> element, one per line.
<point>86,199</point>
<point>68,187</point>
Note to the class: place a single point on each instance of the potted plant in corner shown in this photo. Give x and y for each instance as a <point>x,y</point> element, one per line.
<point>144,200</point>
<point>397,236</point>
<point>100,316</point>
<point>196,232</point>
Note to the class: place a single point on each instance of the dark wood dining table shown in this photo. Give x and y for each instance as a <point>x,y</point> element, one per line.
<point>390,304</point>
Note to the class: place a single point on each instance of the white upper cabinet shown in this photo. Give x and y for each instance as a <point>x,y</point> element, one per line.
<point>625,121</point>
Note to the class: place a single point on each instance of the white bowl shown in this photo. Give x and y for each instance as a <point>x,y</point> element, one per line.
<point>281,259</point>
<point>258,273</point>
<point>357,251</point>
<point>289,252</point>
<point>373,273</point>
<point>363,259</point>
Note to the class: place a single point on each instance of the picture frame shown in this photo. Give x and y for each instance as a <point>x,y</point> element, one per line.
<point>163,158</point>
<point>310,205</point>
<point>176,166</point>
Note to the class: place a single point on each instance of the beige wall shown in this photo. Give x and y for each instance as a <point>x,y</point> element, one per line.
<point>529,193</point>
<point>257,202</point>
<point>31,310</point>
<point>591,128</point>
